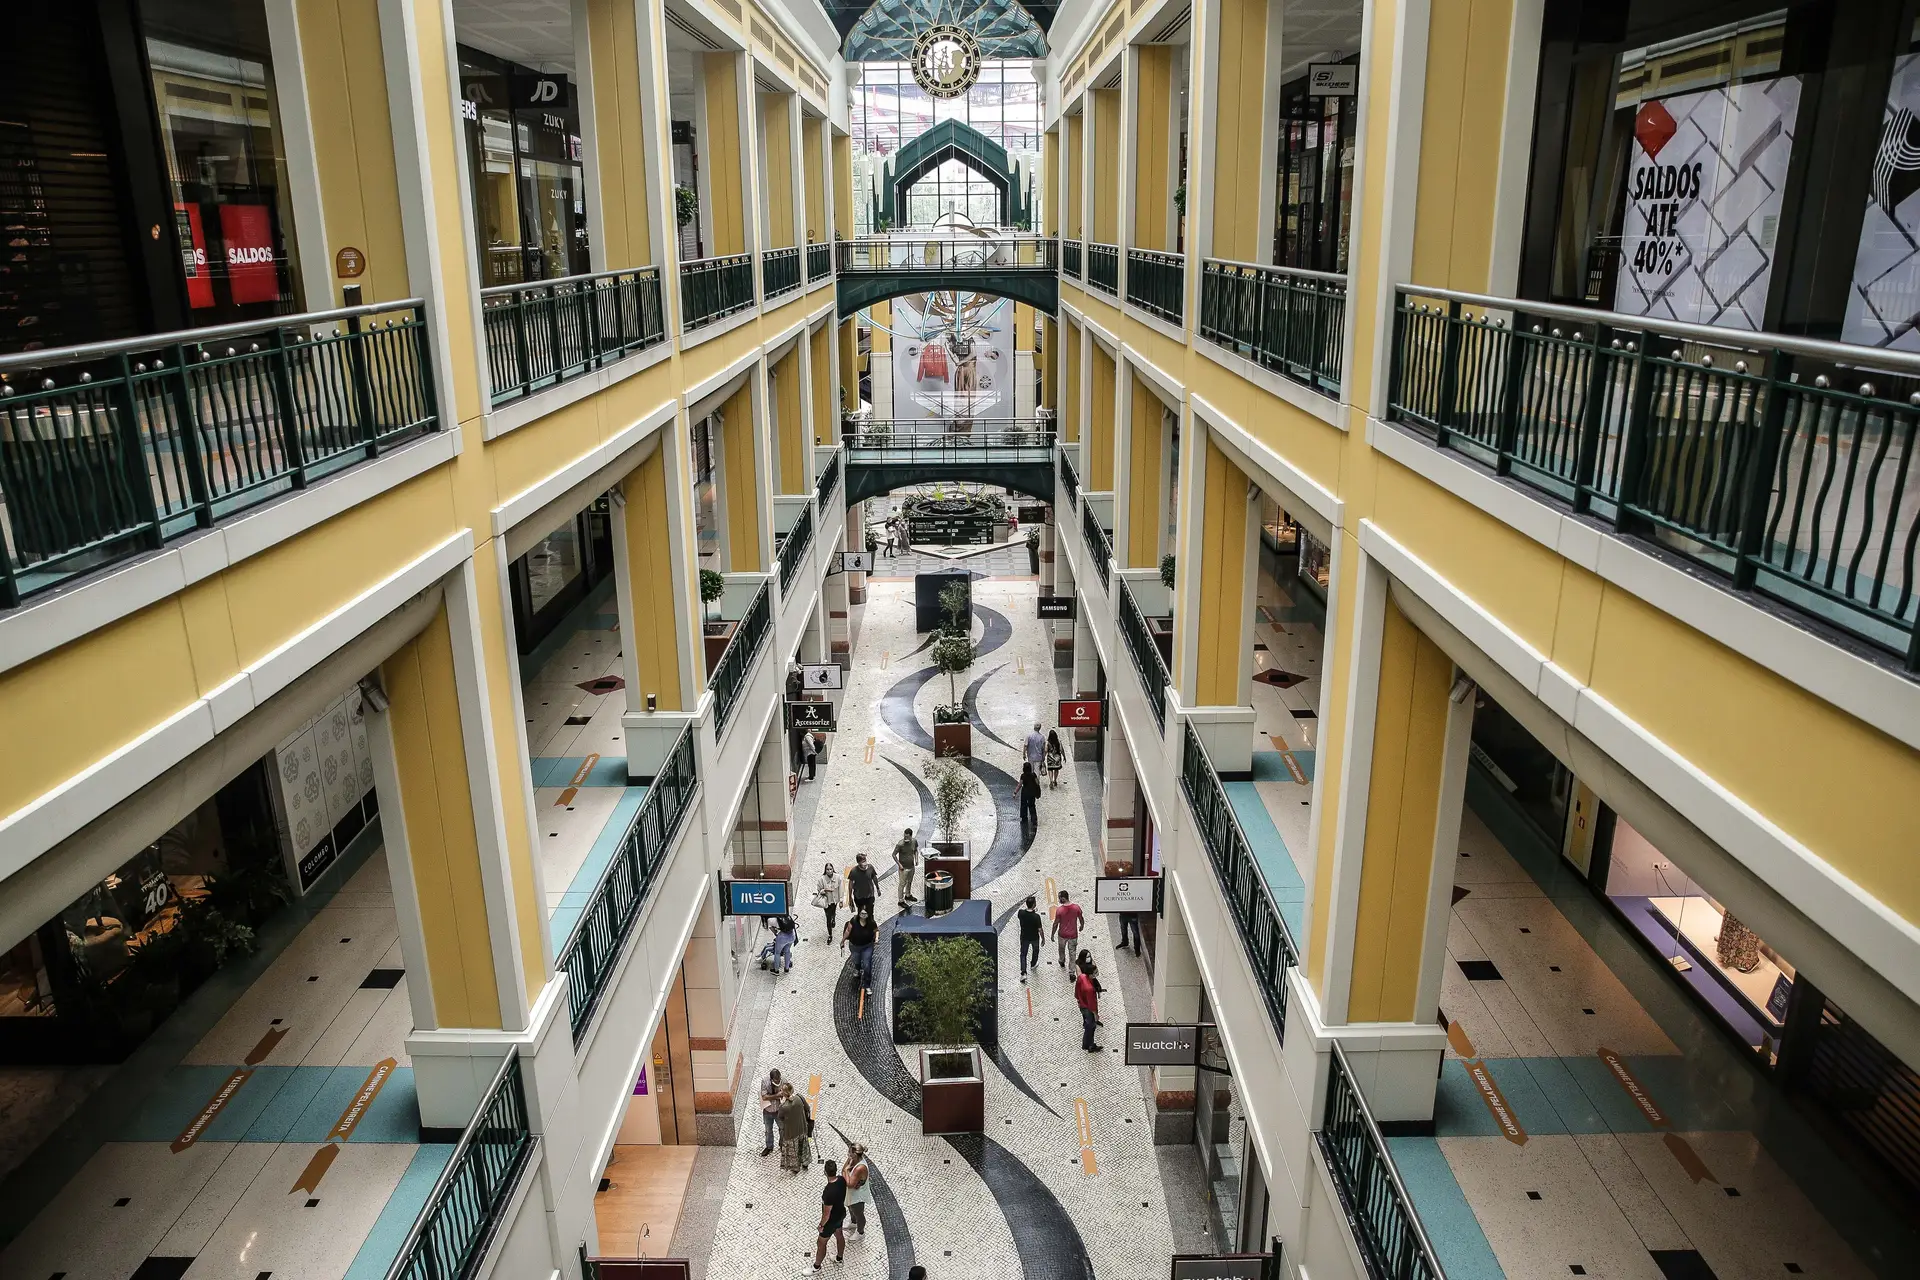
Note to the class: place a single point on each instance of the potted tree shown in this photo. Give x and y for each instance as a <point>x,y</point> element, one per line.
<point>1162,628</point>
<point>953,653</point>
<point>716,630</point>
<point>944,982</point>
<point>954,788</point>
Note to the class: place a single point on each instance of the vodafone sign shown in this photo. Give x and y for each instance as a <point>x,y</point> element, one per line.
<point>1080,713</point>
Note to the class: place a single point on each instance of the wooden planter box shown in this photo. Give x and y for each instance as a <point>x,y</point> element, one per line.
<point>956,859</point>
<point>953,739</point>
<point>717,634</point>
<point>953,1093</point>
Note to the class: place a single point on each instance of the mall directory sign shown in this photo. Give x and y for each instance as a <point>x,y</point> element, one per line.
<point>754,897</point>
<point>1080,713</point>
<point>1227,1266</point>
<point>1162,1044</point>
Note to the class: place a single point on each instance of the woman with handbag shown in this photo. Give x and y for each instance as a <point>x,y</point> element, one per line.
<point>826,896</point>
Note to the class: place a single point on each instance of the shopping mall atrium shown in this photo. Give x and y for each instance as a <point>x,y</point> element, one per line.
<point>1082,640</point>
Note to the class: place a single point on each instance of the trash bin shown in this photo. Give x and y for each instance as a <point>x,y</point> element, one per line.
<point>939,893</point>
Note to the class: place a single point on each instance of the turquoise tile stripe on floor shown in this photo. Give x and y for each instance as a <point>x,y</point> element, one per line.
<point>558,771</point>
<point>276,1104</point>
<point>382,1244</point>
<point>1271,766</point>
<point>1455,1234</point>
<point>574,900</point>
<point>1270,851</point>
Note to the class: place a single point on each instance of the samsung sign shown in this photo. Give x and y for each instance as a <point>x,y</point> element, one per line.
<point>755,897</point>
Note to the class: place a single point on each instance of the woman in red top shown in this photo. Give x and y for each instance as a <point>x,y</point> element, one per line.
<point>1086,994</point>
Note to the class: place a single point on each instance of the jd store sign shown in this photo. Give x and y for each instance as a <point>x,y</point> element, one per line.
<point>551,93</point>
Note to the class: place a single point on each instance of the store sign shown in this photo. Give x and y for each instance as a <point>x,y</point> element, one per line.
<point>1162,1044</point>
<point>856,562</point>
<point>1035,514</point>
<point>552,93</point>
<point>1056,607</point>
<point>1080,713</point>
<point>821,675</point>
<point>1333,79</point>
<point>1703,199</point>
<point>1225,1266</point>
<point>810,715</point>
<point>349,263</point>
<point>1124,895</point>
<point>252,273</point>
<point>754,897</point>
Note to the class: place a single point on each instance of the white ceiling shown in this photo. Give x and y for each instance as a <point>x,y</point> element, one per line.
<point>1318,31</point>
<point>537,33</point>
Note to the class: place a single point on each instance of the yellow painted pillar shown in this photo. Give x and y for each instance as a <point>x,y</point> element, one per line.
<point>1146,487</point>
<point>842,187</point>
<point>1153,159</point>
<point>660,628</point>
<point>1070,363</point>
<point>1239,106</point>
<point>849,367</point>
<point>826,415</point>
<point>1045,360</point>
<point>813,178</point>
<point>1100,423</point>
<point>789,426</point>
<point>720,162</point>
<point>739,444</point>
<point>1105,220</point>
<point>1050,183</point>
<point>776,173</point>
<point>615,32</point>
<point>1220,547</point>
<point>1075,210</point>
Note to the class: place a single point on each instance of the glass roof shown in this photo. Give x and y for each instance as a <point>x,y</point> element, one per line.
<point>884,30</point>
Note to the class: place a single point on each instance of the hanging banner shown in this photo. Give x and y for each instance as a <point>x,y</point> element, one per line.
<point>1703,203</point>
<point>252,275</point>
<point>1883,305</point>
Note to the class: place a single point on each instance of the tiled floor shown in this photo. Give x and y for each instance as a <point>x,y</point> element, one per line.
<point>258,1153</point>
<point>1637,1144</point>
<point>1020,1199</point>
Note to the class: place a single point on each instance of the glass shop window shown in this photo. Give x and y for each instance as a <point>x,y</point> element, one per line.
<point>524,157</point>
<point>1537,783</point>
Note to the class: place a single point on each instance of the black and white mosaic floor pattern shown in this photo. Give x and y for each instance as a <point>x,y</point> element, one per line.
<point>1015,1202</point>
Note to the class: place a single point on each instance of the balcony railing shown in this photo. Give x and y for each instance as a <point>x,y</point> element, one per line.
<point>824,486</point>
<point>1157,282</point>
<point>1152,668</point>
<point>1381,1214</point>
<point>793,548</point>
<point>884,440</point>
<point>1103,267</point>
<point>955,253</point>
<point>112,449</point>
<point>1263,931</point>
<point>1780,466</point>
<point>711,288</point>
<point>464,1209</point>
<point>1069,480</point>
<point>819,262</point>
<point>1282,318</point>
<point>589,956</point>
<point>730,673</point>
<point>1070,258</point>
<point>1098,548</point>
<point>779,272</point>
<point>551,331</point>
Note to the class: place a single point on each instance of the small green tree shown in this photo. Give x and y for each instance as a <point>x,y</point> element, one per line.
<point>1166,571</point>
<point>953,654</point>
<point>956,601</point>
<point>686,203</point>
<point>954,788</point>
<point>712,587</point>
<point>950,980</point>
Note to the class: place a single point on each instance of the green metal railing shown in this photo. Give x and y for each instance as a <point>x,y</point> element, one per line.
<point>111,449</point>
<point>824,486</point>
<point>590,952</point>
<point>819,261</point>
<point>1282,318</point>
<point>779,272</point>
<point>1016,440</point>
<point>1070,258</point>
<point>793,548</point>
<point>1263,931</point>
<point>1103,267</point>
<point>1781,466</point>
<point>994,252</point>
<point>463,1211</point>
<point>1157,282</point>
<point>730,673</point>
<point>711,288</point>
<point>1392,1243</point>
<point>1098,547</point>
<point>1069,480</point>
<point>551,331</point>
<point>1147,661</point>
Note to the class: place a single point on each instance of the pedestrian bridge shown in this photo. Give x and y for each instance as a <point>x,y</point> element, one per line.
<point>1014,453</point>
<point>1025,268</point>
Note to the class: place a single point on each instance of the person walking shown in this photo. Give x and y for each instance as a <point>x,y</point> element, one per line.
<point>863,884</point>
<point>1035,749</point>
<point>1029,799</point>
<point>1056,759</point>
<point>833,1218</point>
<point>1086,994</point>
<point>1130,928</point>
<point>785,933</point>
<point>809,752</point>
<point>906,855</point>
<point>770,1111</point>
<point>826,895</point>
<point>1029,920</point>
<point>1066,927</point>
<point>859,935</point>
<point>793,1128</point>
<point>859,1193</point>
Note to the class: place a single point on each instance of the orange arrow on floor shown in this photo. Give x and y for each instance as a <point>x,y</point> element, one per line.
<point>579,777</point>
<point>309,1180</point>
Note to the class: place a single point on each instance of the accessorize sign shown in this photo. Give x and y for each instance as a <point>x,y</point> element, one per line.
<point>1703,203</point>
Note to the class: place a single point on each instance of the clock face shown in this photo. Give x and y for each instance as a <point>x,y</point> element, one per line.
<point>946,60</point>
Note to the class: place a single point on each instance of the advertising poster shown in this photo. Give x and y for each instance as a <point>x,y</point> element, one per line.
<point>953,357</point>
<point>1703,203</point>
<point>1884,301</point>
<point>247,230</point>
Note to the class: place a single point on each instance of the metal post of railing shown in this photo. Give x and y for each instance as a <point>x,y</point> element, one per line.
<point>188,434</point>
<point>523,345</point>
<point>133,456</point>
<point>555,352</point>
<point>1633,448</point>
<point>362,382</point>
<point>283,406</point>
<point>1507,429</point>
<point>1593,418</point>
<point>1443,414</point>
<point>1757,484</point>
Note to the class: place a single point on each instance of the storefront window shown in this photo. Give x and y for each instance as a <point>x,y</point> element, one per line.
<point>523,152</point>
<point>1316,564</point>
<point>1314,211</point>
<point>1539,786</point>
